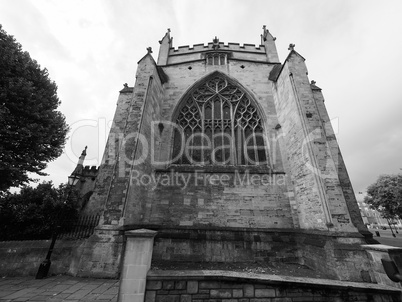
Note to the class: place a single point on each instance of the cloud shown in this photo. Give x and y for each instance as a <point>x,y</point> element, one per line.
<point>351,48</point>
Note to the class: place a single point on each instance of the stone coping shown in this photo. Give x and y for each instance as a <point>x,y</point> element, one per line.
<point>382,248</point>
<point>140,233</point>
<point>166,228</point>
<point>40,243</point>
<point>268,279</point>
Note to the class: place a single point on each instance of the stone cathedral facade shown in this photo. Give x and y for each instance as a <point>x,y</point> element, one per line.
<point>229,155</point>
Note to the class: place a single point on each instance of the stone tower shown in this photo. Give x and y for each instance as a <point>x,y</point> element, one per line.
<point>229,155</point>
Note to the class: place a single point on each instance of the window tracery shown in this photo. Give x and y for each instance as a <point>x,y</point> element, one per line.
<point>218,125</point>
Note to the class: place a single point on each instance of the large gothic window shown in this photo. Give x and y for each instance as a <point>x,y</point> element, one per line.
<point>217,124</point>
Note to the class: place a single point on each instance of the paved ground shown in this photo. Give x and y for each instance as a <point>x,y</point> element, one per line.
<point>387,238</point>
<point>57,289</point>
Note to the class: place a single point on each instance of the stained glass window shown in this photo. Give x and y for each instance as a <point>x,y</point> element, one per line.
<point>217,124</point>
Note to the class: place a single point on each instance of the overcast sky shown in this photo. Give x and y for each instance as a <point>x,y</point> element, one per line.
<point>352,48</point>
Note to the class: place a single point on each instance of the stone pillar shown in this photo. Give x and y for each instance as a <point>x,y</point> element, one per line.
<point>136,263</point>
<point>380,251</point>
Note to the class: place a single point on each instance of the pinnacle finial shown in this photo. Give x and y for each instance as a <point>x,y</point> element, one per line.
<point>313,82</point>
<point>149,49</point>
<point>125,85</point>
<point>84,152</point>
<point>291,47</point>
<point>167,35</point>
<point>215,42</point>
<point>264,33</point>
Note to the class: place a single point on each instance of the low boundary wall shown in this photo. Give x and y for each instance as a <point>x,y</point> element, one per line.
<point>189,286</point>
<point>22,258</point>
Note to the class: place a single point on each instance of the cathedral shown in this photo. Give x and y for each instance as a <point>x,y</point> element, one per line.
<point>222,155</point>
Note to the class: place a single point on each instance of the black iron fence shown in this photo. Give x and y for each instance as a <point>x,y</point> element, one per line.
<point>82,227</point>
<point>69,228</point>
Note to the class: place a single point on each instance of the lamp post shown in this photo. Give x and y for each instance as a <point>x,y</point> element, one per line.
<point>45,265</point>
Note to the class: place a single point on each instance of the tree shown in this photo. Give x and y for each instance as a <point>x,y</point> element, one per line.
<point>32,131</point>
<point>385,195</point>
<point>34,212</point>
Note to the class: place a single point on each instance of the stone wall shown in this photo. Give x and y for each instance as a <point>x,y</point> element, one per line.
<point>97,256</point>
<point>201,286</point>
<point>218,198</point>
<point>100,255</point>
<point>224,246</point>
<point>336,256</point>
<point>22,258</point>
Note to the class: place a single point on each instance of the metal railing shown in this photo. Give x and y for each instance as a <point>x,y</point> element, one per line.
<point>82,227</point>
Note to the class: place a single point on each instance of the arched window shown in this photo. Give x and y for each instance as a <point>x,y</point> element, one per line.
<point>217,124</point>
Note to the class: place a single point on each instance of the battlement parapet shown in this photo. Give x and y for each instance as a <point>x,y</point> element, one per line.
<point>90,171</point>
<point>222,47</point>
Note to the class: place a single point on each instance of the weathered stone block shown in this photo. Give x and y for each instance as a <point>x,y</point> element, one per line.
<point>221,293</point>
<point>192,287</point>
<point>237,293</point>
<point>167,285</point>
<point>150,296</point>
<point>167,298</point>
<point>248,290</point>
<point>264,292</point>
<point>180,284</point>
<point>185,298</point>
<point>209,284</point>
<point>155,285</point>
<point>309,299</point>
<point>131,297</point>
<point>231,285</point>
<point>135,271</point>
<point>200,296</point>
